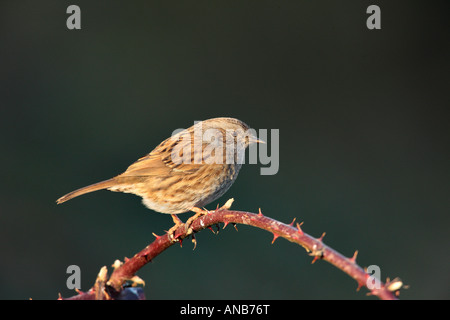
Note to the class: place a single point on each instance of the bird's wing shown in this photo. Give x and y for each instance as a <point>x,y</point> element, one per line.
<point>172,156</point>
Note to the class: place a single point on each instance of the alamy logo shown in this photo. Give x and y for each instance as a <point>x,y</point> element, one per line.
<point>373,280</point>
<point>215,146</point>
<point>74,280</point>
<point>74,20</point>
<point>374,20</point>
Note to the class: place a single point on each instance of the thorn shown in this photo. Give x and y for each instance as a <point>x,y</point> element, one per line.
<point>125,259</point>
<point>315,259</point>
<point>260,213</point>
<point>292,223</point>
<point>156,236</point>
<point>217,207</point>
<point>59,296</point>
<point>359,287</point>
<point>321,237</point>
<point>78,291</point>
<point>275,236</point>
<point>181,242</point>
<point>353,259</point>
<point>299,229</point>
<point>225,224</point>
<point>210,228</point>
<point>194,241</point>
<point>234,225</point>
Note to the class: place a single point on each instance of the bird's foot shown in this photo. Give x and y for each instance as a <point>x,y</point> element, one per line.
<point>198,213</point>
<point>178,223</point>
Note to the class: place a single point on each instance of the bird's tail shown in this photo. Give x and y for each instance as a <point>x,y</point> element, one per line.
<point>93,187</point>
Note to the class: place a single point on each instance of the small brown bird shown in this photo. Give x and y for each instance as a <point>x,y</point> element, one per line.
<point>186,171</point>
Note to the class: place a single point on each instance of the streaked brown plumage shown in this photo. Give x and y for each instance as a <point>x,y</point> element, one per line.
<point>169,183</point>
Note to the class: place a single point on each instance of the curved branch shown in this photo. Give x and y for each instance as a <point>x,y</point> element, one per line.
<point>314,246</point>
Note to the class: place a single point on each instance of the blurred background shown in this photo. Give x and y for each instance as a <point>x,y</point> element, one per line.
<point>364,141</point>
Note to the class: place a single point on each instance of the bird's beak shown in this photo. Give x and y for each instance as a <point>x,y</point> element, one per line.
<point>255,139</point>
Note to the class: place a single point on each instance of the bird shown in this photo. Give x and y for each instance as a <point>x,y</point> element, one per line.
<point>185,172</point>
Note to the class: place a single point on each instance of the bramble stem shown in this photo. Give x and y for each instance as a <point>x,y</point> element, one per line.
<point>314,246</point>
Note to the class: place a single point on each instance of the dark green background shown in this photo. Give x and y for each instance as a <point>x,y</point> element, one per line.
<point>364,140</point>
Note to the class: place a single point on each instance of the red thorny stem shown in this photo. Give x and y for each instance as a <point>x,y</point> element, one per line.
<point>315,246</point>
